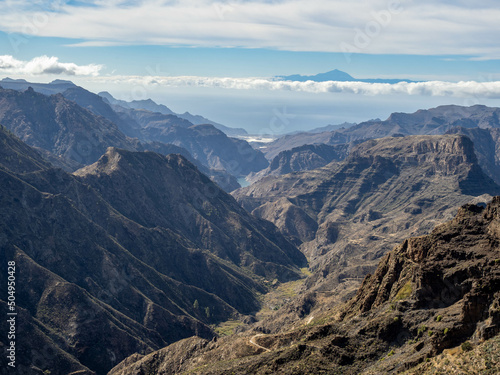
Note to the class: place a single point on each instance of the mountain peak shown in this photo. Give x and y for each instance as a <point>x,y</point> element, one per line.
<point>134,163</point>
<point>338,76</point>
<point>332,75</point>
<point>7,79</point>
<point>61,82</point>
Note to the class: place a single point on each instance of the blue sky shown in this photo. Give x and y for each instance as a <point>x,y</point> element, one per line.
<point>172,51</point>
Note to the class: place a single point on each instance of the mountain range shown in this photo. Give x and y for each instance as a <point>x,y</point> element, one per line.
<point>346,215</point>
<point>131,253</point>
<point>132,258</point>
<point>59,86</point>
<point>151,106</point>
<point>433,294</point>
<point>480,123</point>
<point>75,127</point>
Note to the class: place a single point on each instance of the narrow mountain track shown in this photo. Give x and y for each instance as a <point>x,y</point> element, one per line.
<point>252,341</point>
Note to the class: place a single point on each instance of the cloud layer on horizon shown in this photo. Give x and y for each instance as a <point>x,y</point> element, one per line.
<point>464,89</point>
<point>49,66</point>
<point>422,27</point>
<point>45,65</point>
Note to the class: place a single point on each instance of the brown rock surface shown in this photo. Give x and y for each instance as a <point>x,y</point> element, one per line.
<point>429,294</point>
<point>387,189</point>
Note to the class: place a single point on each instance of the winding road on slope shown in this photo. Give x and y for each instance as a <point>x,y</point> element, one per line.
<point>252,341</point>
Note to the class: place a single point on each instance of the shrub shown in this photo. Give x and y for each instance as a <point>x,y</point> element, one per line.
<point>466,346</point>
<point>421,330</point>
<point>438,318</point>
<point>404,292</point>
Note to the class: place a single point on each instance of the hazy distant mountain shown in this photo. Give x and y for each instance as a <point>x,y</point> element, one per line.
<point>329,128</point>
<point>100,107</point>
<point>146,104</point>
<point>70,136</point>
<point>76,127</point>
<point>55,87</point>
<point>210,146</point>
<point>127,255</point>
<point>150,105</point>
<point>339,76</point>
<point>60,86</point>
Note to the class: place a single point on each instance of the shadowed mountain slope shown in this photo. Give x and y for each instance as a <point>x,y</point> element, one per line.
<point>58,125</point>
<point>429,294</point>
<point>96,282</point>
<point>211,147</point>
<point>152,123</point>
<point>190,204</point>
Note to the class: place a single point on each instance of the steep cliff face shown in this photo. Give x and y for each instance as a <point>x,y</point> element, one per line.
<point>386,190</point>
<point>487,146</point>
<point>100,278</point>
<point>429,294</point>
<point>444,286</point>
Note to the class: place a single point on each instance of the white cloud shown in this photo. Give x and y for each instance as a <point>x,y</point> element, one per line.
<point>44,65</point>
<point>469,89</point>
<point>376,26</point>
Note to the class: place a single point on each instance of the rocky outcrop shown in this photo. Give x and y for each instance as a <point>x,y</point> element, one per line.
<point>487,147</point>
<point>387,189</point>
<point>429,294</point>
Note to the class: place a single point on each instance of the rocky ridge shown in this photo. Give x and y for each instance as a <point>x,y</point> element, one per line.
<point>480,123</point>
<point>97,282</point>
<point>347,215</point>
<point>428,295</point>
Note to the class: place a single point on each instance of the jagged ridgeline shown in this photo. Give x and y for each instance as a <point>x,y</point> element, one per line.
<point>132,253</point>
<point>428,295</point>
